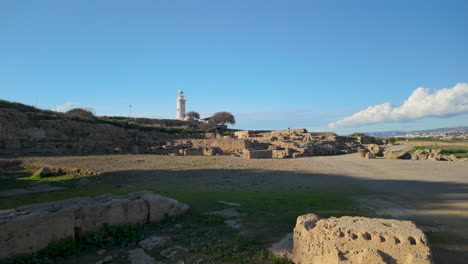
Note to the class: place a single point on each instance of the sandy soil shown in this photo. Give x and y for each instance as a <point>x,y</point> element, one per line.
<point>432,193</point>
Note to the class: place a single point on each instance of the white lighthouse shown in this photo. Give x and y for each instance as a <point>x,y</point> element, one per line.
<point>181,105</point>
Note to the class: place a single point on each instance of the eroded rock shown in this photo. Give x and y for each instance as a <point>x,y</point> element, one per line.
<point>138,256</point>
<point>284,247</point>
<point>358,240</point>
<point>153,242</point>
<point>397,155</point>
<point>375,149</point>
<point>27,229</point>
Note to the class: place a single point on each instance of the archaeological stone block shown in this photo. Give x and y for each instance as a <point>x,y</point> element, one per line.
<point>257,154</point>
<point>30,232</point>
<point>358,240</point>
<point>27,229</point>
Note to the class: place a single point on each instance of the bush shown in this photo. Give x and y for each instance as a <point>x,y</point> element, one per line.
<point>81,113</point>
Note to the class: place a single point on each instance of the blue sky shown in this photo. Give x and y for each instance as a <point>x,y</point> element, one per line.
<point>274,64</point>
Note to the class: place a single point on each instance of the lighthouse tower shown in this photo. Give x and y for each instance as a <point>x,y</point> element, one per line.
<point>181,105</point>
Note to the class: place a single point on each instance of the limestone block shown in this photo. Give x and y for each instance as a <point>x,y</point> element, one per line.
<point>375,149</point>
<point>257,154</point>
<point>212,151</point>
<point>396,155</point>
<point>369,155</point>
<point>281,154</point>
<point>28,233</point>
<point>193,152</point>
<point>161,207</point>
<point>358,240</point>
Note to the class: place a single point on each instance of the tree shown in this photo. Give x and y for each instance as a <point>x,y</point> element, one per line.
<point>222,118</point>
<point>192,115</point>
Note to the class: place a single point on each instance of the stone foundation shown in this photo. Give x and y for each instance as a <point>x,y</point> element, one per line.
<point>256,154</point>
<point>30,228</point>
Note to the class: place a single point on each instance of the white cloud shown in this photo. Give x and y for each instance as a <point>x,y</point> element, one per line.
<point>422,103</point>
<point>70,105</point>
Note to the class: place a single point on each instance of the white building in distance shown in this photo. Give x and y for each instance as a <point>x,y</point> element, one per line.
<point>181,105</point>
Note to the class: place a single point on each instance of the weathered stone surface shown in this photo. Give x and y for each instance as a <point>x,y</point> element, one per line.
<point>160,207</point>
<point>33,231</point>
<point>43,172</point>
<point>138,256</point>
<point>396,155</point>
<point>30,228</point>
<point>369,155</point>
<point>356,240</point>
<point>284,247</point>
<point>192,152</point>
<point>427,154</point>
<point>57,133</point>
<point>375,149</point>
<point>153,242</point>
<point>173,252</point>
<point>281,153</point>
<point>362,152</point>
<point>226,145</point>
<point>212,151</point>
<point>256,154</point>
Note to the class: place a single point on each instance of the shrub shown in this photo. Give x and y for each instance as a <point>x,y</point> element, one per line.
<point>81,113</point>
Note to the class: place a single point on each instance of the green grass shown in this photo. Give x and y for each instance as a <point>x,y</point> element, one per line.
<point>459,151</point>
<point>267,216</point>
<point>447,241</point>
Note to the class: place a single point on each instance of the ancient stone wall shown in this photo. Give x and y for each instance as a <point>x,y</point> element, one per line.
<point>257,154</point>
<point>30,228</point>
<point>226,145</point>
<point>33,132</point>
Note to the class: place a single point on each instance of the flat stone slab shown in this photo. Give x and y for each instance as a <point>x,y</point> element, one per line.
<point>153,242</point>
<point>228,203</point>
<point>139,256</point>
<point>284,247</point>
<point>228,212</point>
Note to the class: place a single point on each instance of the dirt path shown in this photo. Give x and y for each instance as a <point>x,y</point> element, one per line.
<point>431,192</point>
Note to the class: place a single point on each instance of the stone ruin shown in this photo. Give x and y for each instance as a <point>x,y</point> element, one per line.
<point>49,132</point>
<point>372,151</point>
<point>56,133</point>
<point>30,228</point>
<point>294,143</point>
<point>355,240</point>
<point>290,143</point>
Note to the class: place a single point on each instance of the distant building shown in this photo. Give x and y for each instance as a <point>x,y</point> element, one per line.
<point>181,105</point>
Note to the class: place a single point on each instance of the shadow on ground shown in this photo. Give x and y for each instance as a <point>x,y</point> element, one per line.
<point>271,200</point>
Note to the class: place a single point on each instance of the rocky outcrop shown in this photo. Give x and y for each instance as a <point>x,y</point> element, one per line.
<point>397,155</point>
<point>376,150</point>
<point>30,228</point>
<point>429,154</point>
<point>298,143</point>
<point>358,240</point>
